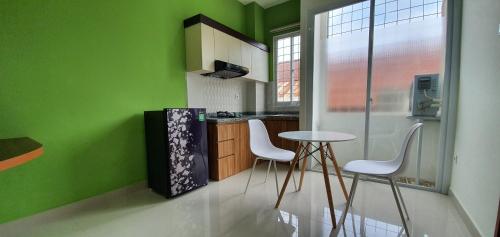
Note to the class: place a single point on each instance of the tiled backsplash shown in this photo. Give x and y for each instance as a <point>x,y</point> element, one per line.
<point>217,94</point>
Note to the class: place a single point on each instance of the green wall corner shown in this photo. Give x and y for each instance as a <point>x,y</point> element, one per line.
<point>255,21</point>
<point>77,76</point>
<point>278,16</point>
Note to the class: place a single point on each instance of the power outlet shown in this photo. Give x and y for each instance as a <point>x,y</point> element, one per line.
<point>455,159</point>
<point>236,96</point>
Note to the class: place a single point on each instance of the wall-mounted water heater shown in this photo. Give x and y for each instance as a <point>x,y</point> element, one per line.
<point>425,95</point>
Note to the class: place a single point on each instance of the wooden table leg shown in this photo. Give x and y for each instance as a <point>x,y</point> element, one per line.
<point>304,164</point>
<point>292,167</point>
<point>327,185</point>
<point>337,170</point>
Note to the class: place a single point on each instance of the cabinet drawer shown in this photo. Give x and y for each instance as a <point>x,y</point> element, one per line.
<point>226,167</point>
<point>225,132</point>
<point>226,148</point>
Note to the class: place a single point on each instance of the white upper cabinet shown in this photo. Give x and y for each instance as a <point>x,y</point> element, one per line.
<point>221,51</point>
<point>259,65</point>
<point>205,44</point>
<point>199,48</point>
<point>246,57</point>
<point>234,50</point>
<point>227,48</point>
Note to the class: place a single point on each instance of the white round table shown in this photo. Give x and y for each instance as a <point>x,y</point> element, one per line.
<point>317,136</point>
<point>306,149</point>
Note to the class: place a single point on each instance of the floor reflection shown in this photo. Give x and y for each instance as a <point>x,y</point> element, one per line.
<point>359,225</point>
<point>355,225</point>
<point>222,210</point>
<point>291,220</point>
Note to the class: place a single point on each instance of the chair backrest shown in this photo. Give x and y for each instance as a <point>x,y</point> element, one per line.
<point>401,159</point>
<point>259,138</point>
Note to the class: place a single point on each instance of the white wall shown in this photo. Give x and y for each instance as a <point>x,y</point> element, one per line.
<point>234,95</point>
<point>256,96</point>
<point>476,174</point>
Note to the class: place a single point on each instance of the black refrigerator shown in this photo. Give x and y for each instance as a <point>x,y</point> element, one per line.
<point>176,146</point>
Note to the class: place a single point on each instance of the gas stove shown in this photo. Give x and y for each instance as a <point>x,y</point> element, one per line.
<point>227,114</point>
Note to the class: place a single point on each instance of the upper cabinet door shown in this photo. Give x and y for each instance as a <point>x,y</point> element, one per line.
<point>207,40</point>
<point>259,65</point>
<point>264,72</point>
<point>199,48</point>
<point>227,48</point>
<point>234,50</point>
<point>246,58</point>
<point>221,49</point>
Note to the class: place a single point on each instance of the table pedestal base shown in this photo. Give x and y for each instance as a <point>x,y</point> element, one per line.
<point>303,152</point>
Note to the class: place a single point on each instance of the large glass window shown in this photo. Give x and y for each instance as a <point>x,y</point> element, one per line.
<point>355,18</point>
<point>408,41</point>
<point>287,68</point>
<point>371,94</point>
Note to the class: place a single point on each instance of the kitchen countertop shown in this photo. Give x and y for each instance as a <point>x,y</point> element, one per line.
<point>245,117</point>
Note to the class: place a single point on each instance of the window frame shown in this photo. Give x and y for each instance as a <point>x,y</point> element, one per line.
<point>291,103</point>
<point>410,8</point>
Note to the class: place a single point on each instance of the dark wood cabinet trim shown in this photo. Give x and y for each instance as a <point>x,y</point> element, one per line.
<point>200,18</point>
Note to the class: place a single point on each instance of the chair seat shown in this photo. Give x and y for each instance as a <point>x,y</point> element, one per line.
<point>274,153</point>
<point>371,167</point>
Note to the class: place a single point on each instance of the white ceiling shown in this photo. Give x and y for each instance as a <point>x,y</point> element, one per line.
<point>264,3</point>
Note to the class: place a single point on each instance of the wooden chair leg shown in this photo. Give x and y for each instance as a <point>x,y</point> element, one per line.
<point>304,164</point>
<point>327,185</point>
<point>337,170</point>
<point>290,170</point>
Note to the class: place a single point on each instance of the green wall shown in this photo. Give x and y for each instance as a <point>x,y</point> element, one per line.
<point>76,75</point>
<point>255,21</point>
<point>277,16</point>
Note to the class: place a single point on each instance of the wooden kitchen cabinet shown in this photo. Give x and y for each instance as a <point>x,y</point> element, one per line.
<point>275,126</point>
<point>246,156</point>
<point>229,149</point>
<point>229,145</point>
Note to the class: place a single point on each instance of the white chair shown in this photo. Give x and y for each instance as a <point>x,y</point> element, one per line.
<point>263,149</point>
<point>386,170</point>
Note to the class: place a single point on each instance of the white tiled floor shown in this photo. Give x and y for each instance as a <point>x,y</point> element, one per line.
<point>221,209</point>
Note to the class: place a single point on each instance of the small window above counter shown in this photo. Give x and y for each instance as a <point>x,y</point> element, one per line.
<point>208,40</point>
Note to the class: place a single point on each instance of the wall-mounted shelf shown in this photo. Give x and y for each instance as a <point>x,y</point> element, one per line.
<point>17,151</point>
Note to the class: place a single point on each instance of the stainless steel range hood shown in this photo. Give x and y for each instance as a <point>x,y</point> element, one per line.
<point>225,70</point>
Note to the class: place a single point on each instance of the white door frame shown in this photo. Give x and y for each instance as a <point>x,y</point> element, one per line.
<point>310,8</point>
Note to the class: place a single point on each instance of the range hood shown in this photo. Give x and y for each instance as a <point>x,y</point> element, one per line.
<point>225,70</point>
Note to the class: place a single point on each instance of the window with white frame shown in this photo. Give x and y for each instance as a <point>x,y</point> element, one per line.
<point>287,68</point>
<point>356,17</point>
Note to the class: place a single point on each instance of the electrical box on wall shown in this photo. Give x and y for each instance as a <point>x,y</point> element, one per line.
<point>424,98</point>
